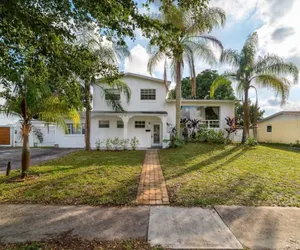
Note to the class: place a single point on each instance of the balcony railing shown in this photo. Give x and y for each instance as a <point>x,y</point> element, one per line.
<point>211,123</point>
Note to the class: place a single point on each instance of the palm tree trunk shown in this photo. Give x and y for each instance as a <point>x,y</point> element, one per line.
<point>25,161</point>
<point>178,98</point>
<point>246,117</point>
<point>255,115</point>
<point>255,121</point>
<point>87,135</point>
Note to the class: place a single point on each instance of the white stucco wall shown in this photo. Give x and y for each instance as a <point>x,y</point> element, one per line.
<point>135,104</point>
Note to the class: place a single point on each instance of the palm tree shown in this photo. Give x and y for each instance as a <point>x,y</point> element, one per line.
<point>269,71</point>
<point>36,100</point>
<point>102,63</point>
<point>190,43</point>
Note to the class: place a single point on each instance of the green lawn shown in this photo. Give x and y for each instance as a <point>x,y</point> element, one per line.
<point>95,178</point>
<point>203,174</point>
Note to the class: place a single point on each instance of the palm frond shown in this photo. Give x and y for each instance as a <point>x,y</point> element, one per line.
<point>154,59</point>
<point>231,57</point>
<point>249,51</point>
<point>272,64</point>
<point>280,85</point>
<point>205,22</point>
<point>220,81</point>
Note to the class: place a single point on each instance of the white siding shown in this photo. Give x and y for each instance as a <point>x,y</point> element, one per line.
<point>135,104</point>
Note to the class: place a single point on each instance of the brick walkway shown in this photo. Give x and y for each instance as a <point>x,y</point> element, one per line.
<point>152,187</point>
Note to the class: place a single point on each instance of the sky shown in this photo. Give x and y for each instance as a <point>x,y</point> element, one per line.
<point>277,23</point>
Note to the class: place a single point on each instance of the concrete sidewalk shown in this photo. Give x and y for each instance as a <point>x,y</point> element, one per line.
<point>178,228</point>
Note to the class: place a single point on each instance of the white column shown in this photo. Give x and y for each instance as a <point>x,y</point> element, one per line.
<point>164,131</point>
<point>125,119</point>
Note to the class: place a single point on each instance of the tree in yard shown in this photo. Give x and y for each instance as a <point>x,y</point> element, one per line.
<point>269,71</point>
<point>239,113</point>
<point>185,40</point>
<point>100,58</point>
<point>204,81</point>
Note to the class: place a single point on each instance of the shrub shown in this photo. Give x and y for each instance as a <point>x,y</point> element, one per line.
<point>134,142</point>
<point>210,136</point>
<point>115,142</point>
<point>124,143</point>
<point>98,144</point>
<point>251,142</point>
<point>174,142</point>
<point>296,144</point>
<point>108,143</point>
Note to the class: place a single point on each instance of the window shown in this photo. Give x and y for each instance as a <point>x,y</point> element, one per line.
<point>148,94</point>
<point>120,124</point>
<point>140,124</point>
<point>212,113</point>
<point>269,129</point>
<point>76,130</point>
<point>112,94</point>
<point>103,124</point>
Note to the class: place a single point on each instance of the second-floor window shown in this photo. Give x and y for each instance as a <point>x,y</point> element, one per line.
<point>112,94</point>
<point>76,130</point>
<point>148,94</point>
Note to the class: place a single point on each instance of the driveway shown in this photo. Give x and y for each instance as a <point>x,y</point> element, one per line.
<point>38,155</point>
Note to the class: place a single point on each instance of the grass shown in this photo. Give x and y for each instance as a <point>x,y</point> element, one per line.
<point>74,243</point>
<point>204,175</point>
<point>94,178</point>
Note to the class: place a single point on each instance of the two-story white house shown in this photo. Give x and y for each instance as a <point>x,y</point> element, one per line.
<point>146,116</point>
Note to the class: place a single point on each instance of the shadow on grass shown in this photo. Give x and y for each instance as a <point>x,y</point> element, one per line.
<point>95,178</point>
<point>279,146</point>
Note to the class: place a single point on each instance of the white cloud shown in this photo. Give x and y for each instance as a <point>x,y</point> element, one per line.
<point>138,62</point>
<point>273,105</point>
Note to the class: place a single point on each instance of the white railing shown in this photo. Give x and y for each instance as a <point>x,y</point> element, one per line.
<point>211,123</point>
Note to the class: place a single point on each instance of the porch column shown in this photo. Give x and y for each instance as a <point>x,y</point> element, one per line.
<point>164,131</point>
<point>125,119</point>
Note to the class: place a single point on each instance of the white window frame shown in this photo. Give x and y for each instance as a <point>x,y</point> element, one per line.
<point>71,129</point>
<point>140,124</point>
<point>267,129</point>
<point>147,93</point>
<point>120,122</point>
<point>103,121</point>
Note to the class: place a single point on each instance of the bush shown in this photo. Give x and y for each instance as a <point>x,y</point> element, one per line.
<point>115,142</point>
<point>124,143</point>
<point>134,142</point>
<point>210,136</point>
<point>251,142</point>
<point>98,144</point>
<point>296,144</point>
<point>108,143</point>
<point>174,142</point>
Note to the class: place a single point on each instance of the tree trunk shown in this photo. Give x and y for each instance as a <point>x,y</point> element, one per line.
<point>255,121</point>
<point>246,117</point>
<point>87,135</point>
<point>26,149</point>
<point>178,98</point>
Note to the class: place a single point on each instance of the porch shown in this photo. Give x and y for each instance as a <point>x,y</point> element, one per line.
<point>150,128</point>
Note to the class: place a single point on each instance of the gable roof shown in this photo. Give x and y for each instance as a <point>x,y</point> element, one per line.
<point>278,114</point>
<point>145,77</point>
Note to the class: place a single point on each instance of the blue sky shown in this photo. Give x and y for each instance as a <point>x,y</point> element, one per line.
<point>277,24</point>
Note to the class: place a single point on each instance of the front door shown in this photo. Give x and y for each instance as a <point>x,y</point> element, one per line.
<point>156,134</point>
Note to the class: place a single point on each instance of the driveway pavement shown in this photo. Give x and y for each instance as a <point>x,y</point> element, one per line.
<point>38,155</point>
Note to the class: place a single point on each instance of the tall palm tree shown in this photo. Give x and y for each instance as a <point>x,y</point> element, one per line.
<point>103,63</point>
<point>269,71</point>
<point>36,100</point>
<point>192,42</point>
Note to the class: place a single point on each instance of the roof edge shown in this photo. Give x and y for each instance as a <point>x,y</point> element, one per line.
<point>278,114</point>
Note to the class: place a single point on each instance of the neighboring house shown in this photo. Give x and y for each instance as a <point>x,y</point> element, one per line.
<point>282,127</point>
<point>149,116</point>
<point>10,133</point>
